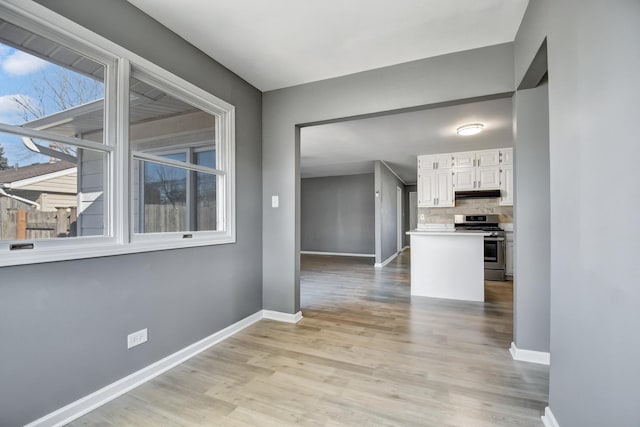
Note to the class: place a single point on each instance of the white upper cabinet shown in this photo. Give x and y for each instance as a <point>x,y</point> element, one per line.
<point>488,178</point>
<point>444,189</point>
<point>506,156</point>
<point>426,187</point>
<point>464,159</point>
<point>464,179</point>
<point>506,185</point>
<point>435,188</point>
<point>436,161</point>
<point>487,158</point>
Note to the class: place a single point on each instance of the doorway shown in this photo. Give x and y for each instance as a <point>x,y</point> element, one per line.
<point>399,217</point>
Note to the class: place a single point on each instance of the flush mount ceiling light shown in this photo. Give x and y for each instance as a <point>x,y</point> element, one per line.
<point>470,129</point>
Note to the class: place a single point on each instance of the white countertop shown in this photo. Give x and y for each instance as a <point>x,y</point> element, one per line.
<point>445,232</point>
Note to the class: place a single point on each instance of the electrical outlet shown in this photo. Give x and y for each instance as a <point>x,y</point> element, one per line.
<point>275,201</point>
<point>137,338</point>
<point>421,217</point>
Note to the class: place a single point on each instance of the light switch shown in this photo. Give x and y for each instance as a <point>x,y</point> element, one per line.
<point>275,201</point>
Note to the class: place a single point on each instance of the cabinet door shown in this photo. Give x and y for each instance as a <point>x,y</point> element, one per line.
<point>464,160</point>
<point>444,188</point>
<point>427,162</point>
<point>488,177</point>
<point>444,161</point>
<point>488,158</point>
<point>506,156</point>
<point>464,179</point>
<point>426,188</point>
<point>506,185</point>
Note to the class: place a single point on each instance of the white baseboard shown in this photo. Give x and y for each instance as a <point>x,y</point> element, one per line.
<point>337,254</point>
<point>540,357</point>
<point>282,317</point>
<point>548,419</point>
<point>386,261</point>
<point>106,394</point>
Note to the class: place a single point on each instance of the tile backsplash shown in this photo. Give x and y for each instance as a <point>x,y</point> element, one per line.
<point>465,206</point>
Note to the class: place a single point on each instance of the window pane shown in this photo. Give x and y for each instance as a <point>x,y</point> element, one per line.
<point>48,87</point>
<point>59,194</point>
<point>162,123</point>
<point>167,198</point>
<point>205,193</point>
<point>164,196</point>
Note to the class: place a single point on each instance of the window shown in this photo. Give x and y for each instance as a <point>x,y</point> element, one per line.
<point>89,167</point>
<point>173,145</point>
<point>54,170</point>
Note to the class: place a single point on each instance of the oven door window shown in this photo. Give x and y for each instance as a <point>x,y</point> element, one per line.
<point>490,251</point>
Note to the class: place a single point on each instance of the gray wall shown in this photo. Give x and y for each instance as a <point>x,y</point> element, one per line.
<point>386,184</point>
<point>63,325</point>
<point>462,75</point>
<point>530,36</point>
<point>532,216</point>
<point>593,112</point>
<point>337,214</point>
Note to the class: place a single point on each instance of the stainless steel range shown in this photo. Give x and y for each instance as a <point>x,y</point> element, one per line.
<point>494,243</point>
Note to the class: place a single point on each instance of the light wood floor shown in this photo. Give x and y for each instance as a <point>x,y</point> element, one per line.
<point>365,354</point>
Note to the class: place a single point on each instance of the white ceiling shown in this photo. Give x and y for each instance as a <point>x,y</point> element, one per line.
<point>351,147</point>
<point>279,43</point>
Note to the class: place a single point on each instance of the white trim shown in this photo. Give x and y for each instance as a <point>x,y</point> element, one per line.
<point>531,356</point>
<point>548,419</point>
<point>282,317</point>
<point>95,247</point>
<point>80,407</point>
<point>338,254</point>
<point>92,401</point>
<point>386,261</point>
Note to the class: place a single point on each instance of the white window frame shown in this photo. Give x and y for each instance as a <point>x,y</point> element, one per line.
<point>118,61</point>
<point>189,150</point>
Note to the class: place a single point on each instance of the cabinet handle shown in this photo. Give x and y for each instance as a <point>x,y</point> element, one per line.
<point>474,163</point>
<point>478,162</point>
<point>434,165</point>
<point>479,184</point>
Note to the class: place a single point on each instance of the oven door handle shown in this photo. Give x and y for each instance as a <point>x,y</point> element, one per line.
<point>494,239</point>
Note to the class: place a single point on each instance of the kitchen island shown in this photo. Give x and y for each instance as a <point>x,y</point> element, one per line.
<point>448,264</point>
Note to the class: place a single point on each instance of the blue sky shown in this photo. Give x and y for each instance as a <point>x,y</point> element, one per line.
<point>20,74</point>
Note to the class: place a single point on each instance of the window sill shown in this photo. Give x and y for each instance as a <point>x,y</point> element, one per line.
<point>85,251</point>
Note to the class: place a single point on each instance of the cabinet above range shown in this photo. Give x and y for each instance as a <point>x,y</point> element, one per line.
<point>465,171</point>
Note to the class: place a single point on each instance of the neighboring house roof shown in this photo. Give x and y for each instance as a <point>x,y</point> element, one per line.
<point>18,177</point>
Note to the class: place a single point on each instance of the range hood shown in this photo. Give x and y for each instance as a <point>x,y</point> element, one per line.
<point>477,194</point>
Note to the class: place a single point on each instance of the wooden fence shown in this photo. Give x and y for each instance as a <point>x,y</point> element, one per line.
<point>20,221</point>
<point>159,218</point>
